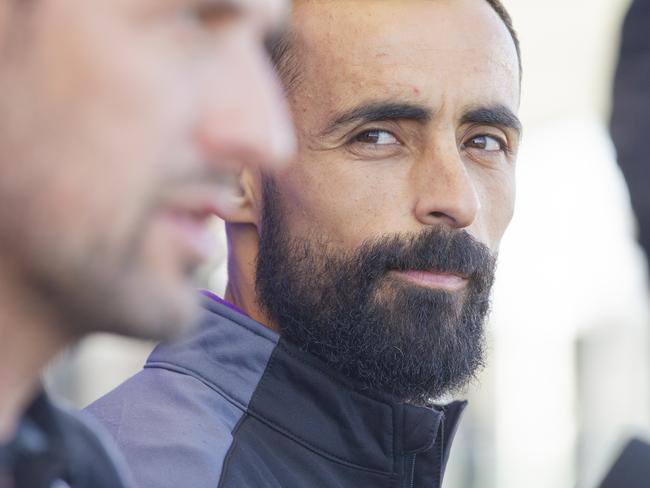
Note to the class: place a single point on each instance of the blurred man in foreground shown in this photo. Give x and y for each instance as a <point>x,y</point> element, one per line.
<point>120,122</point>
<point>359,277</point>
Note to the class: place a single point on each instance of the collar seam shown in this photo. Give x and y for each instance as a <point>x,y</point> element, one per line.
<point>244,321</point>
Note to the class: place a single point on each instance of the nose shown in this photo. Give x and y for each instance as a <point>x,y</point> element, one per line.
<point>445,191</point>
<point>244,118</point>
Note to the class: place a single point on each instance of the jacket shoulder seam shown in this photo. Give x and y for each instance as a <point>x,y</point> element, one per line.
<point>188,372</point>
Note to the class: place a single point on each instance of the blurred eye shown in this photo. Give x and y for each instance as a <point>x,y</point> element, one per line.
<point>214,13</point>
<point>376,136</point>
<point>486,143</point>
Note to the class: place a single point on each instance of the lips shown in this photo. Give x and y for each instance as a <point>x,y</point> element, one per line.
<point>193,232</point>
<point>189,212</point>
<point>434,279</point>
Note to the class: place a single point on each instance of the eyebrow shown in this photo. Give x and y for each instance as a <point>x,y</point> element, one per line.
<point>380,111</point>
<point>499,115</point>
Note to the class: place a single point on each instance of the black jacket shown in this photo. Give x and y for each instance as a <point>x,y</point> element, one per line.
<point>630,123</point>
<point>237,406</point>
<point>54,447</point>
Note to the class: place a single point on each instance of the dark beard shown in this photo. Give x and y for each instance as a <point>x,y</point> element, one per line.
<point>413,342</point>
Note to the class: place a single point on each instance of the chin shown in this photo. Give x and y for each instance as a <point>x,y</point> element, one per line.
<point>140,305</point>
<point>161,312</point>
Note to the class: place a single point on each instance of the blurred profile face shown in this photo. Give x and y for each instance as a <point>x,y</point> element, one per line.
<point>377,246</point>
<point>121,121</point>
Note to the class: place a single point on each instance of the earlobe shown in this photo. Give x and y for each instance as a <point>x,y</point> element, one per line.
<point>235,202</point>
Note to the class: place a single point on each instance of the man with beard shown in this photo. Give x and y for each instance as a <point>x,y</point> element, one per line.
<point>359,277</point>
<point>120,122</point>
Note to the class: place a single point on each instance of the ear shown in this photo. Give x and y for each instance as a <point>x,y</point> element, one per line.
<point>236,202</point>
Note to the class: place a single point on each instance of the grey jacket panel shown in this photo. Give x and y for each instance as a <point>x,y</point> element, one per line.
<point>235,406</point>
<point>173,420</point>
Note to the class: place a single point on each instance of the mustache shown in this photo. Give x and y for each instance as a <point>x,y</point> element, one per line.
<point>437,248</point>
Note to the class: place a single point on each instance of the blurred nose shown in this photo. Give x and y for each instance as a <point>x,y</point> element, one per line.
<point>445,191</point>
<point>245,120</point>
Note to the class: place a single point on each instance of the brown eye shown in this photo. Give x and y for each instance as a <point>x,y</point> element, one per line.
<point>486,143</point>
<point>376,136</point>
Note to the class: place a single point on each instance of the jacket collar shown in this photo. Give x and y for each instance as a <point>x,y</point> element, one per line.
<point>301,397</point>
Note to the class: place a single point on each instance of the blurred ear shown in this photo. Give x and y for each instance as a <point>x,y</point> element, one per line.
<point>235,203</point>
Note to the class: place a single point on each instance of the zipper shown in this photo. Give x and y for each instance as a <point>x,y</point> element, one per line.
<point>410,470</point>
<point>440,444</point>
<point>439,448</point>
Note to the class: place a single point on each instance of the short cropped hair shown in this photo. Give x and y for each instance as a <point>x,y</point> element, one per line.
<point>284,59</point>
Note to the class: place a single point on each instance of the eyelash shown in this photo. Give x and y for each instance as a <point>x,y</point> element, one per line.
<point>356,137</point>
<point>503,143</point>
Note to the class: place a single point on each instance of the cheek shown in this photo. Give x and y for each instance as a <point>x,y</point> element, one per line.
<point>348,203</point>
<point>104,117</point>
<point>497,196</point>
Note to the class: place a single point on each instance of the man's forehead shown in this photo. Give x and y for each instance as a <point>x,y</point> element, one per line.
<point>407,50</point>
<point>414,30</point>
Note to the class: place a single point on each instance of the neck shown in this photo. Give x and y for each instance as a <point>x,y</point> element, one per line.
<point>242,253</point>
<point>29,341</point>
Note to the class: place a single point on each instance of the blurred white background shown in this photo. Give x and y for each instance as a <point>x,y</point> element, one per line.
<point>569,366</point>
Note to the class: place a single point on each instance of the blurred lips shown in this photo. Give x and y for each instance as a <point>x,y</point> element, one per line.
<point>434,279</point>
<point>188,212</point>
<point>193,232</point>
